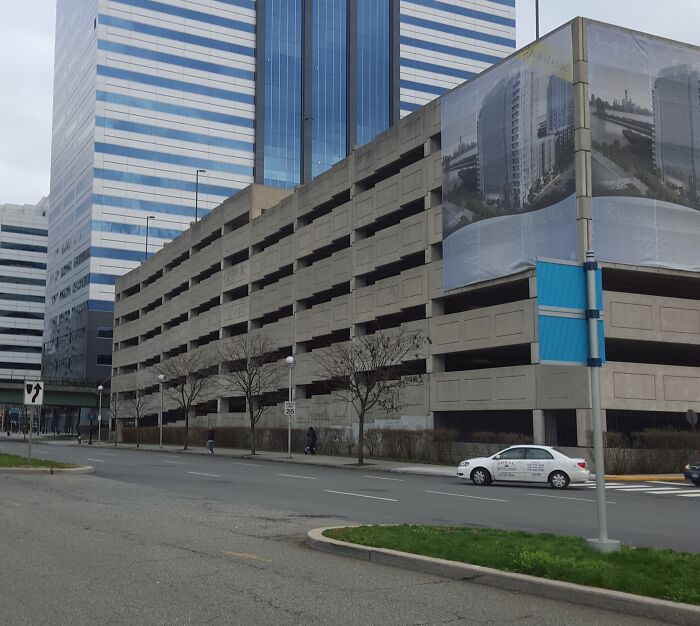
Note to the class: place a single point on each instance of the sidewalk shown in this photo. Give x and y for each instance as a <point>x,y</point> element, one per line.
<point>344,462</point>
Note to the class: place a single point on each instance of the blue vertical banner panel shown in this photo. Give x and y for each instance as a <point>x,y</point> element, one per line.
<point>562,304</point>
<point>564,285</point>
<point>563,339</point>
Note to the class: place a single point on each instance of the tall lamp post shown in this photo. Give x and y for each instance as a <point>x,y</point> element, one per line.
<point>148,217</point>
<point>161,380</point>
<point>289,361</point>
<point>99,417</point>
<point>196,192</point>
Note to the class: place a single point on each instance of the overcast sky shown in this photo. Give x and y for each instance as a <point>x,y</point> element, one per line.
<point>26,70</point>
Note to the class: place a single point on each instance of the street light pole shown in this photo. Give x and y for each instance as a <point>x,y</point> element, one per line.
<point>148,217</point>
<point>289,361</point>
<point>537,19</point>
<point>161,379</point>
<point>196,193</point>
<point>602,543</point>
<point>99,417</point>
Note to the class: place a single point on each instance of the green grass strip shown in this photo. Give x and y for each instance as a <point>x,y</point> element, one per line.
<point>12,460</point>
<point>648,572</point>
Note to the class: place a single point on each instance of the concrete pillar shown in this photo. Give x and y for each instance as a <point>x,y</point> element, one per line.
<point>584,426</point>
<point>222,405</point>
<point>538,427</point>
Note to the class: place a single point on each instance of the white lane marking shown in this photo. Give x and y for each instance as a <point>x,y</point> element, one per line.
<point>359,495</point>
<point>607,485</point>
<point>462,495</point>
<point>650,489</point>
<point>398,480</point>
<point>97,460</point>
<point>203,474</point>
<point>668,483</point>
<point>690,495</point>
<point>544,495</point>
<point>244,463</point>
<point>682,492</point>
<point>175,462</point>
<point>295,476</point>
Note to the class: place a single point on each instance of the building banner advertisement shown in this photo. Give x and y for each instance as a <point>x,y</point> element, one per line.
<point>644,99</point>
<point>508,165</point>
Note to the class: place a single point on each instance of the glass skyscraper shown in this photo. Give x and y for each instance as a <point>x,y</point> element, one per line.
<point>147,92</point>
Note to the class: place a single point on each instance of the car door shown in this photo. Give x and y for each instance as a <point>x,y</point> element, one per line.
<point>539,464</point>
<point>510,464</point>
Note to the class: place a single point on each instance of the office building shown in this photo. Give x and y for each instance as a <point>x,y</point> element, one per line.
<point>162,109</point>
<point>23,237</point>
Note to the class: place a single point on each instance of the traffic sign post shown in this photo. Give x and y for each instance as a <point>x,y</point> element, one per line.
<point>33,396</point>
<point>290,408</point>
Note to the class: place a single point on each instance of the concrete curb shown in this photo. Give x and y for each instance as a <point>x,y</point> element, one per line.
<point>616,601</point>
<point>82,469</point>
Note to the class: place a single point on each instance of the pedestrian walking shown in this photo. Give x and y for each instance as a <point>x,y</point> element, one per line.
<point>310,441</point>
<point>210,440</point>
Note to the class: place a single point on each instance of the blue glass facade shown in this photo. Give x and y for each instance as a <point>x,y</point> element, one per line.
<point>329,84</point>
<point>283,91</point>
<point>372,85</point>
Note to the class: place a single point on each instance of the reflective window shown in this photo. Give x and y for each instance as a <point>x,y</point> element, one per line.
<point>24,230</point>
<point>175,35</point>
<point>173,109</point>
<point>328,84</point>
<point>538,453</point>
<point>283,87</point>
<point>173,59</point>
<point>175,85</point>
<point>372,78</point>
<point>513,454</point>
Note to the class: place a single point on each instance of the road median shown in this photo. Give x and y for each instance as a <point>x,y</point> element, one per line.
<point>665,611</point>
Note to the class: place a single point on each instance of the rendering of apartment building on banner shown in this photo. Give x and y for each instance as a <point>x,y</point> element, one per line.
<point>162,109</point>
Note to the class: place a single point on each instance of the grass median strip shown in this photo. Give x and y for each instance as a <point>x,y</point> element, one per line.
<point>661,574</point>
<point>12,460</point>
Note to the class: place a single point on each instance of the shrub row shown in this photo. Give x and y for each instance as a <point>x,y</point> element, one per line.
<point>429,445</point>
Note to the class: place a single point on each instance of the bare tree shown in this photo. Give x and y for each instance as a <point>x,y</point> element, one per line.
<point>369,371</point>
<point>137,408</point>
<point>251,372</point>
<point>117,407</point>
<point>187,377</point>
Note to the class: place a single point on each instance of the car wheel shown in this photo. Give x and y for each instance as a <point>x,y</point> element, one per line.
<point>558,480</point>
<point>696,481</point>
<point>480,476</point>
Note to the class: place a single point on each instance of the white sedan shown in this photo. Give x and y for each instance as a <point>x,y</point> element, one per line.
<point>538,464</point>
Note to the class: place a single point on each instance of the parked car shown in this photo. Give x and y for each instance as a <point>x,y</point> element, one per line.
<point>692,472</point>
<point>539,464</point>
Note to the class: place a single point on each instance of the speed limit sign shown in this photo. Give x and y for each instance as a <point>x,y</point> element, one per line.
<point>290,408</point>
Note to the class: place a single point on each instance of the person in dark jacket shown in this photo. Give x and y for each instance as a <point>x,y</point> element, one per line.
<point>210,440</point>
<point>310,441</point>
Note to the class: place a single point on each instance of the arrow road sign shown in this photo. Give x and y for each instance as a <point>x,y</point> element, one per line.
<point>33,393</point>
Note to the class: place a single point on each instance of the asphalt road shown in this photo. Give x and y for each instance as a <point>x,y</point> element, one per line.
<point>83,549</point>
<point>646,514</point>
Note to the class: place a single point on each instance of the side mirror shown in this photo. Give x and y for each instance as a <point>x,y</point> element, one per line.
<point>497,457</point>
